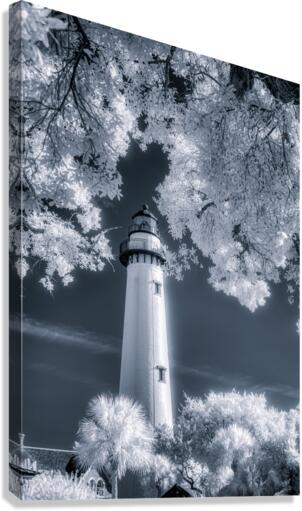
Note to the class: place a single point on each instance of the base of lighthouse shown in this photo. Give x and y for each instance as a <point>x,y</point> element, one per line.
<point>145,372</point>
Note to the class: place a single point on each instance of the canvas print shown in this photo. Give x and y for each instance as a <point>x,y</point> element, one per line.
<point>154,268</point>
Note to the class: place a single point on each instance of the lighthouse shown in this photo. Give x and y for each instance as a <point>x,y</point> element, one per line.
<point>145,372</point>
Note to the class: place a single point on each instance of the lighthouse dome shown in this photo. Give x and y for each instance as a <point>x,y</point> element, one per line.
<point>145,211</point>
<point>144,221</point>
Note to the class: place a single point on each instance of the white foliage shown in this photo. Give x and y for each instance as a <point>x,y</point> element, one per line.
<point>232,184</point>
<point>56,486</point>
<point>162,474</point>
<point>115,434</point>
<point>231,443</point>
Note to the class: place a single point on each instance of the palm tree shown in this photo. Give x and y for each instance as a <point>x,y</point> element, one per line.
<point>115,434</point>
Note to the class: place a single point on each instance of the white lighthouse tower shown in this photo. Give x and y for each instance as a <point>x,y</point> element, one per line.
<point>145,373</point>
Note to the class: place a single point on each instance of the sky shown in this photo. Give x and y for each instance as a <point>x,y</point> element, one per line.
<point>73,338</point>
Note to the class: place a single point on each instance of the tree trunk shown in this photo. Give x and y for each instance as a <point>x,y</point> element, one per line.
<point>114,485</point>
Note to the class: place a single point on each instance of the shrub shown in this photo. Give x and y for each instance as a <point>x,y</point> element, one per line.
<point>57,486</point>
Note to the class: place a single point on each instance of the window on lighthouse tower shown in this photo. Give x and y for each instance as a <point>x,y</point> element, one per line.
<point>161,373</point>
<point>157,288</point>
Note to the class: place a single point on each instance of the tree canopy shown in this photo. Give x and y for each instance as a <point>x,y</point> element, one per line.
<point>80,92</point>
<point>230,444</point>
<point>115,435</point>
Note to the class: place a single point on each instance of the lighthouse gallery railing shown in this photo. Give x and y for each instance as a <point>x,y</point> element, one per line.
<point>131,246</point>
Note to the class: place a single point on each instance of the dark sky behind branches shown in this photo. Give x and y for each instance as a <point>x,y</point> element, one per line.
<point>72,339</point>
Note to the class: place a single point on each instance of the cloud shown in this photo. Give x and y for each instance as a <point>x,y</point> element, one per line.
<point>236,380</point>
<point>209,373</point>
<point>66,335</point>
<point>278,388</point>
<point>67,374</point>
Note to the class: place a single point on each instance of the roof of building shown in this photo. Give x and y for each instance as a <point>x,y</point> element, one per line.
<point>58,459</point>
<point>176,491</point>
<point>46,458</point>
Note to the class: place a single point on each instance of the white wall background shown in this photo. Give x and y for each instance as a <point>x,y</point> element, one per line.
<point>259,34</point>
